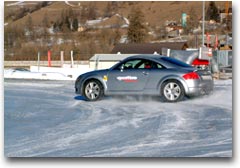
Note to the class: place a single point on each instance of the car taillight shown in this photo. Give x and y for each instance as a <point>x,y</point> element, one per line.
<point>191,75</point>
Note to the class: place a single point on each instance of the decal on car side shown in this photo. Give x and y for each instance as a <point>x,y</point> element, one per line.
<point>105,78</point>
<point>127,78</point>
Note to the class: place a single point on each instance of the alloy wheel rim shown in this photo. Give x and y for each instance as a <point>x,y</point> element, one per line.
<point>92,90</point>
<point>172,91</point>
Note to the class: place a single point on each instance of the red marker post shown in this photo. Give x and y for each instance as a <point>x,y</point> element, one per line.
<point>208,39</point>
<point>49,59</point>
<point>216,42</point>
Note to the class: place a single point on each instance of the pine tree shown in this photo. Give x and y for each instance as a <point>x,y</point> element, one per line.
<point>75,24</point>
<point>136,30</point>
<point>212,12</point>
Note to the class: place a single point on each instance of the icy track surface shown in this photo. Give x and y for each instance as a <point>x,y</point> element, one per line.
<point>47,119</point>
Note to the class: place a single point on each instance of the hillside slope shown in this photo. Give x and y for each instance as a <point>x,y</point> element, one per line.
<point>39,26</point>
<point>156,12</point>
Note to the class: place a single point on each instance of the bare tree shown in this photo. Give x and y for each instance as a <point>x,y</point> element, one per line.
<point>29,28</point>
<point>192,21</point>
<point>92,13</point>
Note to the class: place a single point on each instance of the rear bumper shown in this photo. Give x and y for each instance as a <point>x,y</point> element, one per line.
<point>200,89</point>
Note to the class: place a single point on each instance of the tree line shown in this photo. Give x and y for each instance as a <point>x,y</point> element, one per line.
<point>23,43</point>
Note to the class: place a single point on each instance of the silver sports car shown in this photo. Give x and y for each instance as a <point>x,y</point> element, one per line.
<point>167,77</point>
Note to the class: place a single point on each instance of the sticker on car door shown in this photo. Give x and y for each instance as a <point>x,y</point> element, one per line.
<point>127,78</point>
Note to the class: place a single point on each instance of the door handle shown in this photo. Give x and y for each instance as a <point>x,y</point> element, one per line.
<point>145,73</point>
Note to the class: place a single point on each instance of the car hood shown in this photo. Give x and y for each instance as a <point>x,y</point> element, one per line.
<point>96,72</point>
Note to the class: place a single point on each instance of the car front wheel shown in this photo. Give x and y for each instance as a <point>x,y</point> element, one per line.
<point>172,91</point>
<point>93,90</point>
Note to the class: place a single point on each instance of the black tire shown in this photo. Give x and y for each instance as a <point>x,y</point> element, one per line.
<point>93,90</point>
<point>172,91</point>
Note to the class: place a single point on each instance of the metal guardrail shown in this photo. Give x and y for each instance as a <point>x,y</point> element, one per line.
<point>223,58</point>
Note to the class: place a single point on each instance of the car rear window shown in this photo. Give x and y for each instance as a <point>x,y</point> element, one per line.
<point>175,62</point>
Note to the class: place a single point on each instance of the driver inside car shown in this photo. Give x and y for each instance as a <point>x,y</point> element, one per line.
<point>147,65</point>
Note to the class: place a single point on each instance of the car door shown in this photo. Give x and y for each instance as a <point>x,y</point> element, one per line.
<point>130,76</point>
<point>157,73</point>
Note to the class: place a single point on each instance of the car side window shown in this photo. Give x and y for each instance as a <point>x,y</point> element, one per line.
<point>139,64</point>
<point>130,64</point>
<point>147,64</point>
<point>144,64</point>
<point>158,66</point>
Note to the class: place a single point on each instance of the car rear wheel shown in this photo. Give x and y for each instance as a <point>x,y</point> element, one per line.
<point>93,90</point>
<point>172,91</point>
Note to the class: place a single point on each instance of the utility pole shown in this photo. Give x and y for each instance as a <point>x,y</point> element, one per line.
<point>203,22</point>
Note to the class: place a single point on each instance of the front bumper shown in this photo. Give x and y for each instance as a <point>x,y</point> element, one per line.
<point>78,84</point>
<point>77,91</point>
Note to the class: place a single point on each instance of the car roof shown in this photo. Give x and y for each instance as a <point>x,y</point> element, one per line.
<point>152,57</point>
<point>156,58</point>
<point>146,56</point>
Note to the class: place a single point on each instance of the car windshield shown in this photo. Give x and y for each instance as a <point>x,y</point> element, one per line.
<point>175,62</point>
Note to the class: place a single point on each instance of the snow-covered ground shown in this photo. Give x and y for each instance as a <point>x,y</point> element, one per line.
<point>47,119</point>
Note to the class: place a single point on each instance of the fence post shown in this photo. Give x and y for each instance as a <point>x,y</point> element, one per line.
<point>49,58</point>
<point>168,52</point>
<point>72,63</point>
<point>62,58</point>
<point>96,61</point>
<point>38,64</point>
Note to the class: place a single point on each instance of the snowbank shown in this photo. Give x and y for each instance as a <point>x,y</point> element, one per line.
<point>47,73</point>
